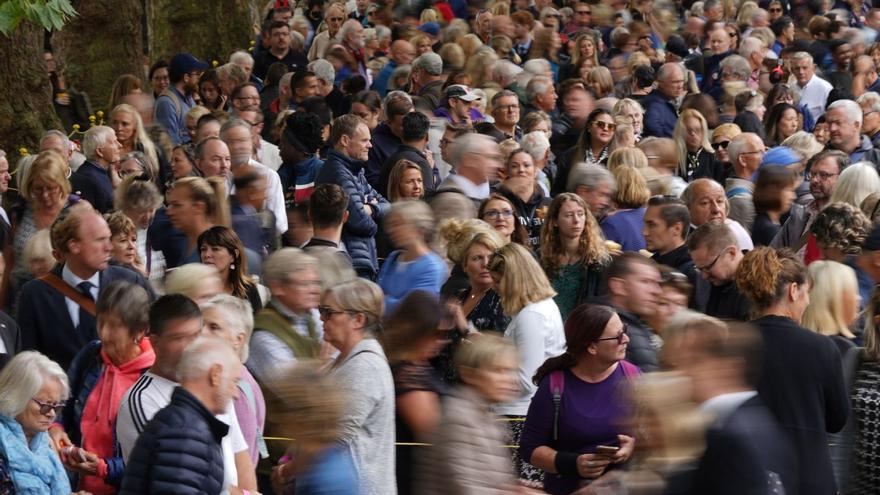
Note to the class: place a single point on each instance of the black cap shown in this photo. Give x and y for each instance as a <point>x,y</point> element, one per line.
<point>872,242</point>
<point>676,46</point>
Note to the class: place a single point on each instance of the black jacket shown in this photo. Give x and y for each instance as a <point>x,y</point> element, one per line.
<point>640,351</point>
<point>179,451</point>
<point>385,144</point>
<point>527,212</point>
<point>747,452</point>
<point>726,302</point>
<point>680,259</point>
<point>92,183</point>
<point>802,385</point>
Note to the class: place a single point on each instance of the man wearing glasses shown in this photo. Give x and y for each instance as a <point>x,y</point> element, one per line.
<point>746,151</point>
<point>279,51</point>
<point>173,104</point>
<point>583,19</point>
<point>716,257</point>
<point>661,106</point>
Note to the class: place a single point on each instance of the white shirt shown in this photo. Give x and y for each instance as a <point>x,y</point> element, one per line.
<point>148,396</point>
<point>269,155</point>
<point>814,95</point>
<point>471,190</point>
<point>538,334</point>
<point>74,281</point>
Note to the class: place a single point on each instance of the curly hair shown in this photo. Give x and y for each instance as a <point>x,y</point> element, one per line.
<point>591,247</point>
<point>764,273</point>
<point>841,226</point>
<point>307,128</point>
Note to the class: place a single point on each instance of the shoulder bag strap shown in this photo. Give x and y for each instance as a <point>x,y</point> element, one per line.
<point>69,292</point>
<point>557,386</point>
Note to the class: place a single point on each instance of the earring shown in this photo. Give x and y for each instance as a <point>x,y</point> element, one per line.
<point>232,266</point>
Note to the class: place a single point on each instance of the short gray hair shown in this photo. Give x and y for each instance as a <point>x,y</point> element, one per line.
<point>430,62</point>
<point>737,66</point>
<point>851,109</point>
<point>22,379</point>
<point>239,316</point>
<point>465,144</point>
<point>535,144</point>
<point>738,144</point>
<point>300,21</point>
<point>347,27</point>
<point>802,56</point>
<point>58,134</point>
<point>870,99</point>
<point>323,70</point>
<point>536,66</point>
<point>505,70</point>
<point>416,213</point>
<point>233,123</point>
<point>591,176</point>
<point>204,353</point>
<point>750,45</point>
<point>94,138</point>
<point>283,264</point>
<point>240,56</point>
<point>539,85</point>
<point>382,32</point>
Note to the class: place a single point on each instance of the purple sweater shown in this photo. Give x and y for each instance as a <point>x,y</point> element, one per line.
<point>590,414</point>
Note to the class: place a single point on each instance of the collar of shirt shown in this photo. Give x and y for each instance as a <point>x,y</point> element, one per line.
<point>294,318</point>
<point>72,280</point>
<point>471,190</point>
<point>723,405</point>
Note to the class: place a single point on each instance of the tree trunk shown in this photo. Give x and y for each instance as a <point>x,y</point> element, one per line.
<point>208,31</point>
<point>102,43</point>
<point>26,110</point>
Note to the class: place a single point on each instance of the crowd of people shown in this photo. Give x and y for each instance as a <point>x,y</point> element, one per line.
<point>579,247</point>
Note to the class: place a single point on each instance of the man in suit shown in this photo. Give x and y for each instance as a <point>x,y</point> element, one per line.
<point>56,312</point>
<point>91,181</point>
<point>746,449</point>
<point>10,334</point>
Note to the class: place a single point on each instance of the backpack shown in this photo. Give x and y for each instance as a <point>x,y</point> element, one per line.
<point>557,386</point>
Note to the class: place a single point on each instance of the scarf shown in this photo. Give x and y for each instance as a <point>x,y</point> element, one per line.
<point>35,469</point>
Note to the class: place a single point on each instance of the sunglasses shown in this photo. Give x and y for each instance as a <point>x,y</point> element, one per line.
<point>777,9</point>
<point>618,337</point>
<point>46,407</point>
<point>605,126</point>
<point>327,312</point>
<point>722,144</point>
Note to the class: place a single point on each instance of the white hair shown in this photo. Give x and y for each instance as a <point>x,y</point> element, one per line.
<point>56,133</point>
<point>382,32</point>
<point>22,379</point>
<point>239,316</point>
<point>203,354</point>
<point>539,85</point>
<point>591,176</point>
<point>749,46</point>
<point>536,66</point>
<point>738,144</point>
<point>465,144</point>
<point>870,99</point>
<point>505,71</point>
<point>851,109</point>
<point>802,56</point>
<point>347,27</point>
<point>323,70</point>
<point>94,138</point>
<point>855,183</point>
<point>536,144</point>
<point>241,56</point>
<point>300,21</point>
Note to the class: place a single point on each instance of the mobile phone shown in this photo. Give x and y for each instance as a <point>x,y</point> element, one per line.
<point>607,449</point>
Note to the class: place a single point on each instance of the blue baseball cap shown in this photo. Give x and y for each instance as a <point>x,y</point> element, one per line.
<point>183,63</point>
<point>780,156</point>
<point>431,28</point>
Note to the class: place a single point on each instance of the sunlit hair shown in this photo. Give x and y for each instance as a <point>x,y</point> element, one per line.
<point>522,281</point>
<point>190,278</point>
<point>462,233</point>
<point>591,246</point>
<point>239,317</point>
<point>681,130</point>
<point>632,188</point>
<point>227,238</point>
<point>140,137</point>
<point>362,297</point>
<point>855,183</point>
<point>482,351</point>
<point>211,192</point>
<point>23,377</point>
<point>825,314</point>
<point>49,167</point>
<point>764,275</point>
<point>417,214</point>
<point>202,354</point>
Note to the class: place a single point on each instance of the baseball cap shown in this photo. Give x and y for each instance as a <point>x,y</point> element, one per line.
<point>182,63</point>
<point>676,46</point>
<point>431,28</point>
<point>780,156</point>
<point>461,92</point>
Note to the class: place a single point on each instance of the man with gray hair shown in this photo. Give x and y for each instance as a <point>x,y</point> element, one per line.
<point>595,185</point>
<point>400,53</point>
<point>753,50</point>
<point>326,75</point>
<point>91,181</point>
<point>746,151</point>
<point>870,103</point>
<point>58,142</point>
<point>352,34</point>
<point>844,118</point>
<point>661,106</point>
<point>476,161</point>
<point>540,95</point>
<point>812,88</point>
<point>427,81</point>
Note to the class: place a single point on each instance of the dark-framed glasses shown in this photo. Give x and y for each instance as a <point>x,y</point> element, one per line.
<point>619,336</point>
<point>46,407</point>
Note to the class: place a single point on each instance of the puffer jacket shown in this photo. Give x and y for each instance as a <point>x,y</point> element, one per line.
<point>385,144</point>
<point>178,452</point>
<point>359,232</point>
<point>468,455</point>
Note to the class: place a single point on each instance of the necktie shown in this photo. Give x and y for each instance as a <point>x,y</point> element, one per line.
<point>86,329</point>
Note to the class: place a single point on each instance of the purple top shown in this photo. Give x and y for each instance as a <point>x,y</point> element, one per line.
<point>590,414</point>
<point>251,412</point>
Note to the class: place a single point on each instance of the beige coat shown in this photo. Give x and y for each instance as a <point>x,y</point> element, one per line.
<point>468,456</point>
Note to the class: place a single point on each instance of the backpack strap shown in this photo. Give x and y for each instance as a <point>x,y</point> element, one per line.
<point>630,370</point>
<point>557,386</point>
<point>178,106</point>
<point>69,292</point>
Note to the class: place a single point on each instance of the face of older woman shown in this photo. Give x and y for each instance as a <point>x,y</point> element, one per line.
<point>340,325</point>
<point>117,340</point>
<point>45,195</point>
<point>39,413</point>
<point>499,214</point>
<point>216,324</point>
<point>476,266</point>
<point>124,247</point>
<point>495,381</point>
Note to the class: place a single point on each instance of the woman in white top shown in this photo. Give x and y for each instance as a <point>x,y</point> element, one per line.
<point>536,329</point>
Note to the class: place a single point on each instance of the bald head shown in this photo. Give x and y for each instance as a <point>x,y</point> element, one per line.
<point>402,52</point>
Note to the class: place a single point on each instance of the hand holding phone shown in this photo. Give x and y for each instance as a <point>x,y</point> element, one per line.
<point>608,450</point>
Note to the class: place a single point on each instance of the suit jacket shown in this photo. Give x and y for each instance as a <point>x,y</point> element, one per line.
<point>747,452</point>
<point>91,183</point>
<point>10,334</point>
<point>45,322</point>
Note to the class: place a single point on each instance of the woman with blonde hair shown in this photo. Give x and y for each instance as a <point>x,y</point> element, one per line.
<point>632,111</point>
<point>405,182</point>
<point>535,328</point>
<point>855,183</point>
<point>470,43</point>
<point>834,303</point>
<point>599,80</point>
<point>194,206</point>
<point>624,226</point>
<point>422,43</point>
<point>696,155</point>
<point>721,137</point>
<point>573,251</point>
<point>624,136</point>
<point>130,132</point>
<point>479,67</point>
<point>585,55</point>
<point>804,143</point>
<point>196,281</point>
<point>777,284</point>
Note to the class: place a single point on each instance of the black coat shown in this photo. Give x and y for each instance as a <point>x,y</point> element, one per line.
<point>640,351</point>
<point>45,322</point>
<point>746,453</point>
<point>179,451</point>
<point>92,183</point>
<point>726,302</point>
<point>680,259</point>
<point>802,385</point>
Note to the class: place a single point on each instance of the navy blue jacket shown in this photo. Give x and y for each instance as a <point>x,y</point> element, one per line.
<point>385,143</point>
<point>179,451</point>
<point>246,223</point>
<point>660,116</point>
<point>91,183</point>
<point>162,236</point>
<point>359,232</point>
<point>45,322</point>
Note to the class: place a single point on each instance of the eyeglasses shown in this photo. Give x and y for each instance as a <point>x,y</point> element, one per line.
<point>605,126</point>
<point>584,12</point>
<point>619,336</point>
<point>775,9</point>
<point>46,407</point>
<point>493,214</point>
<point>705,269</point>
<point>722,144</point>
<point>39,191</point>
<point>507,107</point>
<point>822,176</point>
<point>327,312</point>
